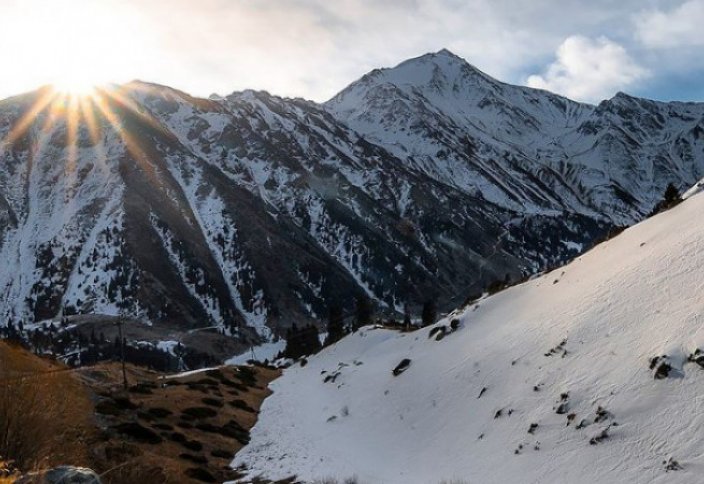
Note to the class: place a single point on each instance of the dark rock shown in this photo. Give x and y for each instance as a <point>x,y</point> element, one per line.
<point>401,367</point>
<point>61,475</point>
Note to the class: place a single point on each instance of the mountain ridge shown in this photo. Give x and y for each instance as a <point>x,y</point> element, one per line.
<point>252,211</point>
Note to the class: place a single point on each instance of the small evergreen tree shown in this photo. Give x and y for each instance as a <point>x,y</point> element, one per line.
<point>293,338</point>
<point>335,327</point>
<point>363,312</point>
<point>670,199</point>
<point>407,323</point>
<point>429,314</point>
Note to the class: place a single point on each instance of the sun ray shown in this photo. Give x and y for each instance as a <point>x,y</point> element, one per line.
<point>126,102</point>
<point>20,128</point>
<point>133,148</point>
<point>72,134</point>
<point>88,115</point>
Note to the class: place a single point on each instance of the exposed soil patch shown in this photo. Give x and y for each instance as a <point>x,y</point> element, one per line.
<point>172,430</point>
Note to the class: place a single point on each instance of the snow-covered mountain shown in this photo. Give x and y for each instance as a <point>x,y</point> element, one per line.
<point>590,373</point>
<point>522,148</point>
<point>252,211</point>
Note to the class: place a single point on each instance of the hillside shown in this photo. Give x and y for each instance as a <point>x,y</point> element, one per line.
<point>552,380</point>
<point>183,428</point>
<point>250,212</point>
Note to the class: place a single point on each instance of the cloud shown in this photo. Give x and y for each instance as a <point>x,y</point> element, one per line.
<point>589,69</point>
<point>681,26</point>
<point>314,48</point>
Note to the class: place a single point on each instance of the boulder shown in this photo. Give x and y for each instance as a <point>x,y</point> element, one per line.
<point>61,475</point>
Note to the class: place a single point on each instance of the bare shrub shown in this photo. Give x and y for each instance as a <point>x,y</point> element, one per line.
<point>43,413</point>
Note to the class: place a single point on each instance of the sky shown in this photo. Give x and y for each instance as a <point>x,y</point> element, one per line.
<point>586,50</point>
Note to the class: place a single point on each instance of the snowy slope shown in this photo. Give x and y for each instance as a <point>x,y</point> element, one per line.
<point>464,407</point>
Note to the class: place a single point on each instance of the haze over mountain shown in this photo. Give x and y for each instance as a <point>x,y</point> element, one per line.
<point>253,211</point>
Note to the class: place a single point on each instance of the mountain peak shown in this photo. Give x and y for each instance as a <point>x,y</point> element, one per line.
<point>434,70</point>
<point>446,53</point>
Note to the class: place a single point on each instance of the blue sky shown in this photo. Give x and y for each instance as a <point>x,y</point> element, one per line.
<point>587,50</point>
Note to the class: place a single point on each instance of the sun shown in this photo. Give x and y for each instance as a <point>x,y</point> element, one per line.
<point>73,45</point>
<point>75,86</point>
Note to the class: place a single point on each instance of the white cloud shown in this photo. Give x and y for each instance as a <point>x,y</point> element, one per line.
<point>314,48</point>
<point>681,26</point>
<point>589,69</point>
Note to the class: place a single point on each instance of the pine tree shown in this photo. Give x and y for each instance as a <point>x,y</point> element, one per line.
<point>670,199</point>
<point>429,314</point>
<point>363,312</point>
<point>407,323</point>
<point>672,195</point>
<point>293,346</point>
<point>335,326</point>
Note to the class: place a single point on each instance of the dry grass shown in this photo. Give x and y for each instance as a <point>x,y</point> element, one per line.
<point>154,433</point>
<point>45,413</point>
<point>7,474</point>
<point>179,409</point>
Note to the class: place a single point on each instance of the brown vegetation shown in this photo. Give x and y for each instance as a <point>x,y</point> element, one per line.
<point>174,430</point>
<point>45,413</point>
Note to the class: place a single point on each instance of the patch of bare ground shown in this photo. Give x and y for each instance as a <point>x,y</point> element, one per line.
<point>174,430</point>
<point>161,430</point>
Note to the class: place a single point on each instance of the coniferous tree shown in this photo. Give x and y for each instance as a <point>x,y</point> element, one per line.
<point>335,326</point>
<point>293,342</point>
<point>670,199</point>
<point>429,314</point>
<point>363,312</point>
<point>311,341</point>
<point>302,342</point>
<point>407,323</point>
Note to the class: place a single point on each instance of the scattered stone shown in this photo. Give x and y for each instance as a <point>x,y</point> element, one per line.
<point>560,348</point>
<point>672,465</point>
<point>662,371</point>
<point>697,357</point>
<point>601,415</point>
<point>401,367</point>
<point>438,332</point>
<point>603,435</point>
<point>532,428</point>
<point>61,475</point>
<point>331,378</point>
<point>481,393</point>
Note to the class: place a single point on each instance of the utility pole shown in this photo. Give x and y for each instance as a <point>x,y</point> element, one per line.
<point>122,351</point>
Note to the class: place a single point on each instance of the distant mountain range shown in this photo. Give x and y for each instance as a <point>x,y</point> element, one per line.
<point>252,212</point>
